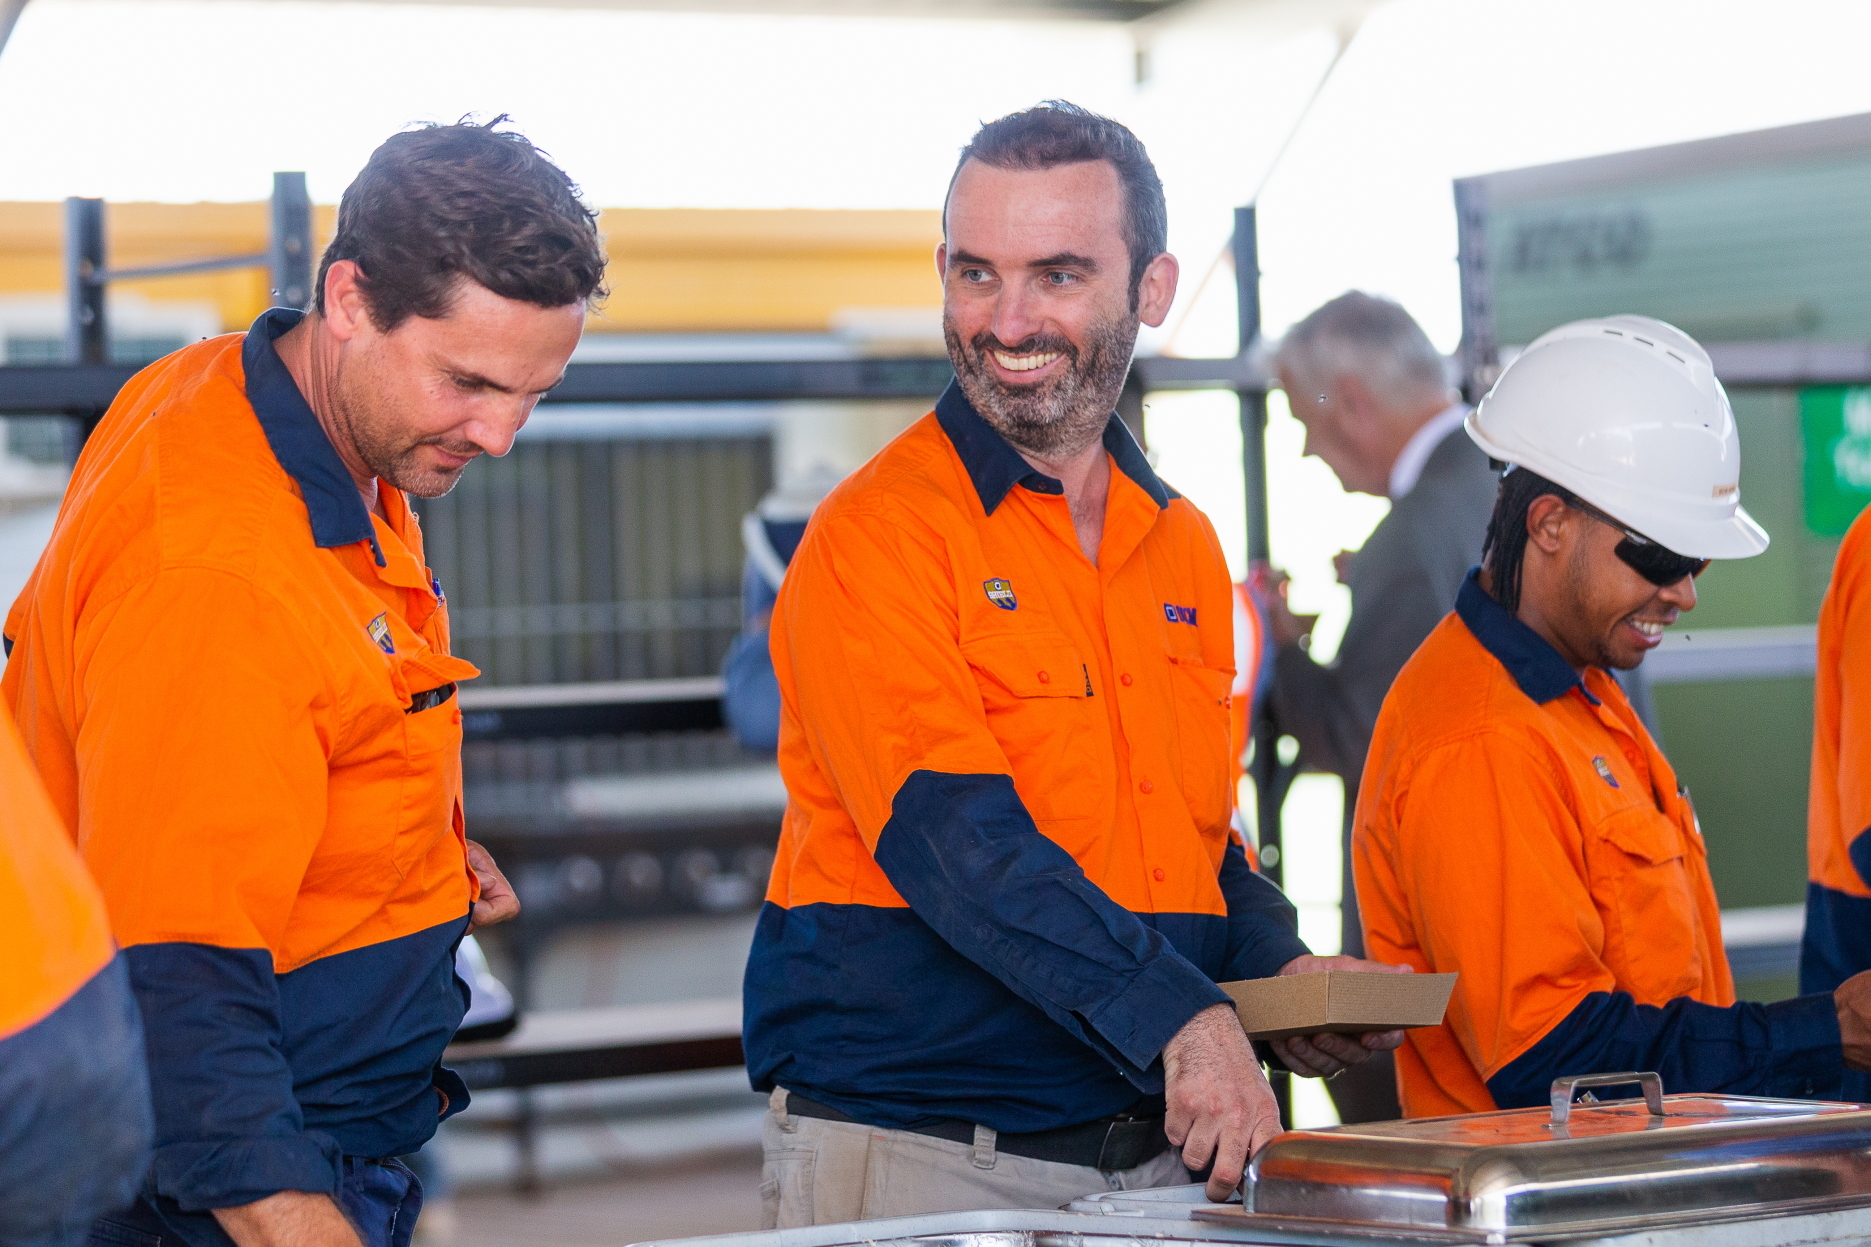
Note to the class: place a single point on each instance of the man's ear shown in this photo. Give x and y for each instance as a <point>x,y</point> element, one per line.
<point>1157,291</point>
<point>1549,520</point>
<point>347,310</point>
<point>942,261</point>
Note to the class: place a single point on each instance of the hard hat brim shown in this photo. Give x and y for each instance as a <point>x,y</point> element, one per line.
<point>1734,536</point>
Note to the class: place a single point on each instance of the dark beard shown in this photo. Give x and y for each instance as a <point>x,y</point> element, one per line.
<point>1051,419</point>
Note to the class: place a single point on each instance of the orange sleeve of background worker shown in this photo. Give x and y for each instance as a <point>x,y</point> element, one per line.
<point>76,1125</point>
<point>53,932</point>
<point>1837,941</point>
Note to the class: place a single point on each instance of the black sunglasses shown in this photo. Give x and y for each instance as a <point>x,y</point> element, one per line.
<point>1657,563</point>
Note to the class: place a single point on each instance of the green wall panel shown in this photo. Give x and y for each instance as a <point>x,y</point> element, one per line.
<point>1744,749</point>
<point>1735,255</point>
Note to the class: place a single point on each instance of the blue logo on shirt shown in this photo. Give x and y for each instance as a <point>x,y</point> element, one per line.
<point>1000,593</point>
<point>1179,614</point>
<point>379,629</point>
<point>1604,771</point>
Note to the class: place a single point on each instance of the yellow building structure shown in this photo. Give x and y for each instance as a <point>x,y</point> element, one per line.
<point>868,274</point>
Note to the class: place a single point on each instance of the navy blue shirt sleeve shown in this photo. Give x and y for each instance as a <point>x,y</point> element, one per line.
<point>967,856</point>
<point>1263,926</point>
<point>1789,1048</point>
<point>229,1130</point>
<point>74,1114</point>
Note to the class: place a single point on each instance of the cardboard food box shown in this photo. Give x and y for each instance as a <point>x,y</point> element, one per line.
<point>1347,1002</point>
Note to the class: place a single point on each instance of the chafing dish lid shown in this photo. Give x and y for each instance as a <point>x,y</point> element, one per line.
<point>1619,1163</point>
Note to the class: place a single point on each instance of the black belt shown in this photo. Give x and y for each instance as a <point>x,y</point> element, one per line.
<point>1110,1144</point>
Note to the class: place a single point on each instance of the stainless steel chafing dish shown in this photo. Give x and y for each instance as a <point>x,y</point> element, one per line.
<point>1574,1171</point>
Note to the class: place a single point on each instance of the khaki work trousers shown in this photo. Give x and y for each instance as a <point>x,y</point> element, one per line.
<point>819,1172</point>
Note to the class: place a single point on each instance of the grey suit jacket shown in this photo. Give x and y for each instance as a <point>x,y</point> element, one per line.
<point>1402,583</point>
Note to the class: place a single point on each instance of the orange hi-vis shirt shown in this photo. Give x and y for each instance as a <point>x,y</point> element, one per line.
<point>1837,943</point>
<point>1519,827</point>
<point>1006,875</point>
<point>53,933</point>
<point>235,680</point>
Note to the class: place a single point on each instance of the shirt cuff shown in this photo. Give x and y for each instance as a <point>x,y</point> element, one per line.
<point>1808,1057</point>
<point>202,1176</point>
<point>1157,1003</point>
<point>1264,959</point>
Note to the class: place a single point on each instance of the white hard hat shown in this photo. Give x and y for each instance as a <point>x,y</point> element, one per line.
<point>1626,413</point>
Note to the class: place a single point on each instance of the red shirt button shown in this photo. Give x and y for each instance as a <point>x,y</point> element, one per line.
<point>1157,874</point>
<point>1146,787</point>
<point>1125,680</point>
<point>1045,678</point>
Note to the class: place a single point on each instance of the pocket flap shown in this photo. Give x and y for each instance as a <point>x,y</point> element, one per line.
<point>419,671</point>
<point>1030,666</point>
<point>1644,833</point>
<point>1213,681</point>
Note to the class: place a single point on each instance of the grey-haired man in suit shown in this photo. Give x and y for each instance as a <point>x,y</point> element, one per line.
<point>1374,397</point>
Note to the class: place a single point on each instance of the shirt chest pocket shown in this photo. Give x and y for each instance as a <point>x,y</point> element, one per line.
<point>1040,708</point>
<point>1204,733</point>
<point>1643,887</point>
<point>426,684</point>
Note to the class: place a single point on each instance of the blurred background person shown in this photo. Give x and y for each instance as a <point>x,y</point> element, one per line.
<point>750,697</point>
<point>1373,395</point>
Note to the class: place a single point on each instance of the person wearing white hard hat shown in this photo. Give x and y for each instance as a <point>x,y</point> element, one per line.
<point>1518,826</point>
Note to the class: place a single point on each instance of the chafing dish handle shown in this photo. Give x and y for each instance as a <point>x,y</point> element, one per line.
<point>1565,1088</point>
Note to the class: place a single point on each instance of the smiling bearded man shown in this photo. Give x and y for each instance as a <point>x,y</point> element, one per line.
<point>1518,826</point>
<point>985,975</point>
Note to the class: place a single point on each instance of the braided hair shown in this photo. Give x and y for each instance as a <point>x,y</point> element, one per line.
<point>1504,548</point>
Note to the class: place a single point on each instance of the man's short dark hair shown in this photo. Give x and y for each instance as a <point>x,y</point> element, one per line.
<point>1504,549</point>
<point>440,203</point>
<point>1059,133</point>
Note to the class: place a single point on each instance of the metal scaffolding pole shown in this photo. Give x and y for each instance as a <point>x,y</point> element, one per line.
<point>289,247</point>
<point>1271,777</point>
<point>85,341</point>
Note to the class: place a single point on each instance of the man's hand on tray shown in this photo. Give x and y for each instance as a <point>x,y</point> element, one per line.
<point>1321,1056</point>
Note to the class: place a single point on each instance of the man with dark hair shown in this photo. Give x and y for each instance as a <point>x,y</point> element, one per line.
<point>1368,386</point>
<point>1007,887</point>
<point>231,667</point>
<point>1518,826</point>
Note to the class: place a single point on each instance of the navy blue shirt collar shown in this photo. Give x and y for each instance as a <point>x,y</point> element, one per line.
<point>1535,665</point>
<point>996,467</point>
<point>339,516</point>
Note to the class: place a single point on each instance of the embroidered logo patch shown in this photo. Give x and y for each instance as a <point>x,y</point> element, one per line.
<point>379,629</point>
<point>1000,593</point>
<point>1179,614</point>
<point>1604,771</point>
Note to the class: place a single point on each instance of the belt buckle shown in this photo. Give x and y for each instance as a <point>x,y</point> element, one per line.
<point>1104,1148</point>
